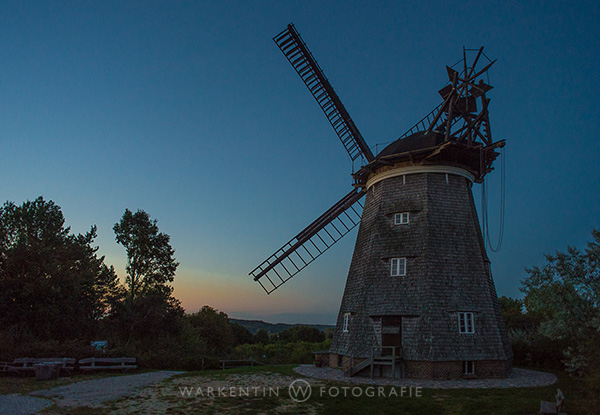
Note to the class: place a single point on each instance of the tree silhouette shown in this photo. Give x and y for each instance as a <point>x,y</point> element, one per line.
<point>151,264</point>
<point>54,286</point>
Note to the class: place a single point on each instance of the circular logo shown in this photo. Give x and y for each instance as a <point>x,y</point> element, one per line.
<point>300,390</point>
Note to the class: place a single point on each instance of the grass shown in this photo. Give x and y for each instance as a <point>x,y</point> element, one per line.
<point>512,401</point>
<point>82,410</point>
<point>500,401</point>
<point>285,370</point>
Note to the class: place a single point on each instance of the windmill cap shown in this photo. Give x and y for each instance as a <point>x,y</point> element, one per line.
<point>414,142</point>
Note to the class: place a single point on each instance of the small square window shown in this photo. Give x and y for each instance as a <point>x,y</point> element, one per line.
<point>346,325</point>
<point>398,267</point>
<point>465,323</point>
<point>468,367</point>
<point>401,218</point>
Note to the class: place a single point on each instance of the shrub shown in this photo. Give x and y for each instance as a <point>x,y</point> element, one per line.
<point>532,348</point>
<point>298,352</point>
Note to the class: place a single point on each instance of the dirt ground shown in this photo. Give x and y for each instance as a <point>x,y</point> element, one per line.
<point>184,394</point>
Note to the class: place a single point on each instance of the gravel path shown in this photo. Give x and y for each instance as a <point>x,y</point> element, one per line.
<point>93,393</point>
<point>519,378</point>
<point>21,405</point>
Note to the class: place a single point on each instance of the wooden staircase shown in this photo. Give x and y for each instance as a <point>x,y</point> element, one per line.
<point>380,356</point>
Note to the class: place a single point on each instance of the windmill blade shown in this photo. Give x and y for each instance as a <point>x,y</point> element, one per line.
<point>311,243</point>
<point>295,50</point>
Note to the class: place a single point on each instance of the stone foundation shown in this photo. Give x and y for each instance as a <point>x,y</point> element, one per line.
<point>484,369</point>
<point>333,360</point>
<point>321,359</point>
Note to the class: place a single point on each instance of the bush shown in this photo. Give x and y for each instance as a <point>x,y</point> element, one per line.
<point>10,349</point>
<point>299,334</point>
<point>288,353</point>
<point>530,348</point>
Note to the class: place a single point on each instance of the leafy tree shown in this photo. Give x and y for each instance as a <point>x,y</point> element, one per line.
<point>151,317</point>
<point>328,333</point>
<point>530,347</point>
<point>262,336</point>
<point>566,292</point>
<point>214,328</point>
<point>149,310</point>
<point>241,334</point>
<point>302,334</point>
<point>54,286</point>
<point>516,316</point>
<point>512,305</point>
<point>150,258</point>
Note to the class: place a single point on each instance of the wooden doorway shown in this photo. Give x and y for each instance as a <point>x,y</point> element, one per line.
<point>391,332</point>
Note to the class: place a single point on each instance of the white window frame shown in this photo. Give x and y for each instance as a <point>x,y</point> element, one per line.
<point>466,323</point>
<point>468,367</point>
<point>401,218</point>
<point>398,267</point>
<point>346,325</point>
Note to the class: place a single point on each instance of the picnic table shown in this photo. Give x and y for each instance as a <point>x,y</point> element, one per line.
<point>7,367</point>
<point>47,370</point>
<point>28,365</point>
<point>107,363</point>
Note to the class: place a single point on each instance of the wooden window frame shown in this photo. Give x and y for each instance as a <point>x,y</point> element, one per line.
<point>346,323</point>
<point>466,322</point>
<point>468,367</point>
<point>399,218</point>
<point>395,269</point>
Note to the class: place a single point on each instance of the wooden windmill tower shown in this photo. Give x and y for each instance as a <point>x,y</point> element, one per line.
<point>419,300</point>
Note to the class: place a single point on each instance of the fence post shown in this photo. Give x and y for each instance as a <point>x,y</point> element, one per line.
<point>372,361</point>
<point>349,366</point>
<point>393,362</point>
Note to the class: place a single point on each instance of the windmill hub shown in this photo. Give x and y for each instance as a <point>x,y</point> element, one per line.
<point>419,299</point>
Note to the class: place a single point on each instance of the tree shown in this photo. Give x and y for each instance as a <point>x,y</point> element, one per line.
<point>566,292</point>
<point>515,315</point>
<point>328,333</point>
<point>150,310</point>
<point>214,328</point>
<point>302,334</point>
<point>262,336</point>
<point>153,316</point>
<point>241,334</point>
<point>54,286</point>
<point>150,258</point>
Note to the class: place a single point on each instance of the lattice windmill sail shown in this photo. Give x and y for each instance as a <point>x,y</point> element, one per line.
<point>295,50</point>
<point>420,282</point>
<point>342,217</point>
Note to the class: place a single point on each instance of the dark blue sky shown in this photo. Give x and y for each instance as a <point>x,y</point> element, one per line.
<point>189,111</point>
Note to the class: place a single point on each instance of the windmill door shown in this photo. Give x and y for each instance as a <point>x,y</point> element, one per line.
<point>391,332</point>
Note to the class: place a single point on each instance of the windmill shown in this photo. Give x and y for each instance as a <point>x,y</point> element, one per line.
<point>419,299</point>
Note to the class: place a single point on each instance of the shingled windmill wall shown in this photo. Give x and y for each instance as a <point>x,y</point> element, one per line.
<point>447,272</point>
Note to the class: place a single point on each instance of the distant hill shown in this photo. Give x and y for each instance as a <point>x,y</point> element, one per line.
<point>254,325</point>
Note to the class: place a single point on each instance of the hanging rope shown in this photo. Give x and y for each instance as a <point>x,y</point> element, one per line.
<point>484,206</point>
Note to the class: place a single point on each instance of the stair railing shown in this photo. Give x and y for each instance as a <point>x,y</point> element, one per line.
<point>350,360</point>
